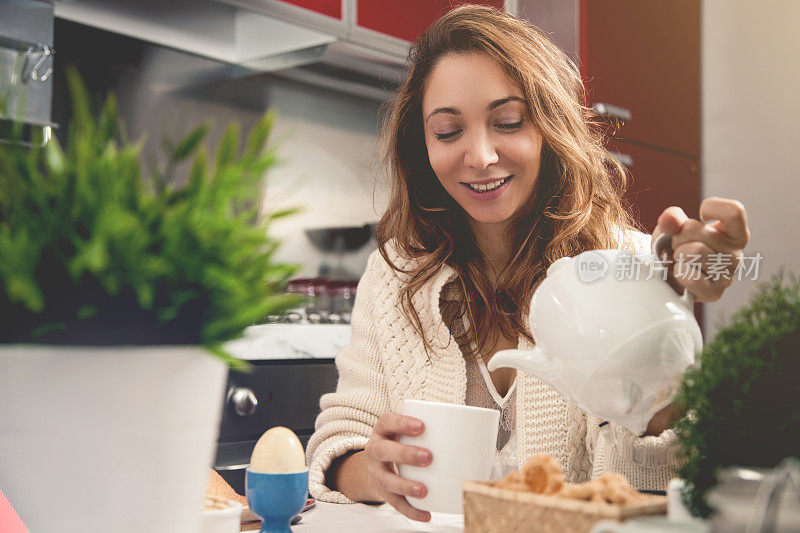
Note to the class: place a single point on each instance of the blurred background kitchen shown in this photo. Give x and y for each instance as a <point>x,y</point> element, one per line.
<point>703,94</point>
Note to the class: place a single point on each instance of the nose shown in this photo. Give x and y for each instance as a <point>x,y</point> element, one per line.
<point>480,152</point>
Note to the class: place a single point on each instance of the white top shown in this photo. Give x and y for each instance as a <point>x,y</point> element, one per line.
<point>481,392</point>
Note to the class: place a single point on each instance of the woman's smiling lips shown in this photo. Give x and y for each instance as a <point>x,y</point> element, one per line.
<point>492,187</point>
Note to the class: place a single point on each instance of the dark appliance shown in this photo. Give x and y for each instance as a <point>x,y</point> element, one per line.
<point>282,392</point>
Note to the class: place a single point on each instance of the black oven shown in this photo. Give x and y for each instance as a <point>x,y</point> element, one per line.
<point>281,392</point>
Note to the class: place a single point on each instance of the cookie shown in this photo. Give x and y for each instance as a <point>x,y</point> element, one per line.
<point>543,474</point>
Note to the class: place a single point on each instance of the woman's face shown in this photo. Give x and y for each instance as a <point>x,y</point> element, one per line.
<point>481,144</point>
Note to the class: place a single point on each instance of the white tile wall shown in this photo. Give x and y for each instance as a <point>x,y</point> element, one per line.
<point>750,76</point>
<point>331,170</point>
<point>327,144</point>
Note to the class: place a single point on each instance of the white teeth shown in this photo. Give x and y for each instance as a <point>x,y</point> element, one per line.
<point>488,187</point>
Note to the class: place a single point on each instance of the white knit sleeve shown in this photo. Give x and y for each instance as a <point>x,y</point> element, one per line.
<point>648,462</point>
<point>349,414</point>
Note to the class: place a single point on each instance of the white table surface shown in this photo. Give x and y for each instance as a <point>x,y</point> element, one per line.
<point>341,518</point>
<point>328,517</point>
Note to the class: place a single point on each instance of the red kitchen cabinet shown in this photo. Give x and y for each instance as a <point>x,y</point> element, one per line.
<point>645,57</point>
<point>658,179</point>
<point>331,8</point>
<point>406,20</point>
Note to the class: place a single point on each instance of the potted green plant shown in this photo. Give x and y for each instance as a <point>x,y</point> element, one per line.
<point>117,292</point>
<point>744,398</point>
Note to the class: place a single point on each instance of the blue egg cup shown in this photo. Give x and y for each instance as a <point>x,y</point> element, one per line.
<point>276,498</point>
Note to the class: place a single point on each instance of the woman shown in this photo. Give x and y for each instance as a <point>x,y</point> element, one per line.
<point>497,171</point>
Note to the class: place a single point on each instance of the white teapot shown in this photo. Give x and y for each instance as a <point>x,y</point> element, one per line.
<point>616,347</point>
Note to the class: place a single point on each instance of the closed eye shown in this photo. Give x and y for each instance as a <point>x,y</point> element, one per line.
<point>513,126</point>
<point>445,136</point>
<point>506,127</point>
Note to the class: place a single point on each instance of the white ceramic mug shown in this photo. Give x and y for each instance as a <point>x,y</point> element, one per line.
<point>462,440</point>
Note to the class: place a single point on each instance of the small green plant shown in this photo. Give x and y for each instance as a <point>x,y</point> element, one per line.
<point>93,252</point>
<point>744,399</point>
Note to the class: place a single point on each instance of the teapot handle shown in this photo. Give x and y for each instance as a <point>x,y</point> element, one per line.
<point>662,244</point>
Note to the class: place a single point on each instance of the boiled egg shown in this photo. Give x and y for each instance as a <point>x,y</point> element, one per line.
<point>278,451</point>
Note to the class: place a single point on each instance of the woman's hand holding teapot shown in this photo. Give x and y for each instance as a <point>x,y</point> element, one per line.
<point>723,231</point>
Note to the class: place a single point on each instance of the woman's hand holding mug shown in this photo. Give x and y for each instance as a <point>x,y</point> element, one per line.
<point>385,453</point>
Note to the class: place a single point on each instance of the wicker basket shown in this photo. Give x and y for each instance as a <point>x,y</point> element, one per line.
<point>488,509</point>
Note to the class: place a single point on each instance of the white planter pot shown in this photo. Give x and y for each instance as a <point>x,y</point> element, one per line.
<point>108,438</point>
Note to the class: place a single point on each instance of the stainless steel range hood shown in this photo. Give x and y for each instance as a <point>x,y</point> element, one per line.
<point>243,37</point>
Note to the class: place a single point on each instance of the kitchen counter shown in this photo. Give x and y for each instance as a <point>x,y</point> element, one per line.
<point>290,341</point>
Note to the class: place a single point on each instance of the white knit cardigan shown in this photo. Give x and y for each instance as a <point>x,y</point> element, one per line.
<point>385,363</point>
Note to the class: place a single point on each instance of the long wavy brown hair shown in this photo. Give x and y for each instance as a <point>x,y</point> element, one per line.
<point>576,204</point>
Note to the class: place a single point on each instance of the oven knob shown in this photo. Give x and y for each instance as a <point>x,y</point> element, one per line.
<point>243,400</point>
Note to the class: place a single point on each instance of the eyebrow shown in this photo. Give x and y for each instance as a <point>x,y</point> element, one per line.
<point>492,105</point>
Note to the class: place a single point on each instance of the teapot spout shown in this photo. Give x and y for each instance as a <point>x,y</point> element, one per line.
<point>532,362</point>
<point>519,359</point>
